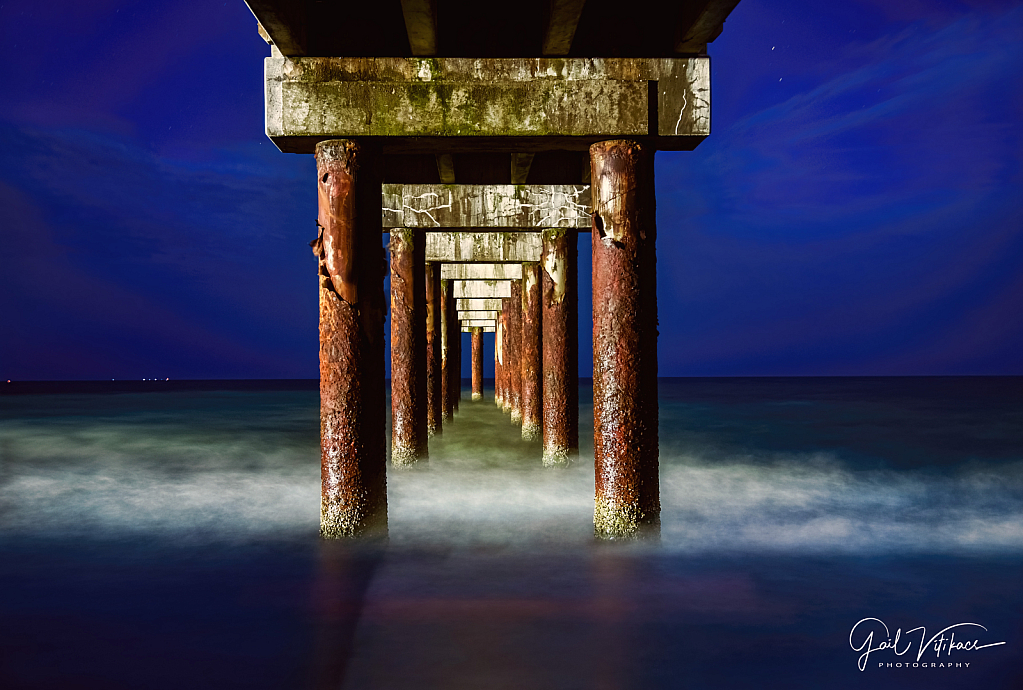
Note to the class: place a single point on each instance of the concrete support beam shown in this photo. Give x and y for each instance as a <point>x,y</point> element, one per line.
<point>352,415</point>
<point>520,164</point>
<point>625,433</point>
<point>480,323</point>
<point>446,168</point>
<point>485,329</point>
<point>408,347</point>
<point>284,23</point>
<point>484,247</point>
<point>478,314</point>
<point>560,304</point>
<point>700,24</point>
<point>485,206</point>
<point>434,378</point>
<point>482,288</point>
<point>562,19</point>
<point>477,363</point>
<point>479,304</point>
<point>421,25</point>
<point>531,361</point>
<point>481,272</point>
<point>514,104</point>
<point>450,385</point>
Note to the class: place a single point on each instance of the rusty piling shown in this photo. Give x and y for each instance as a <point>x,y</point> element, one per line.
<point>560,304</point>
<point>352,405</point>
<point>501,397</point>
<point>434,374</point>
<point>531,356</point>
<point>627,501</point>
<point>515,351</point>
<point>477,363</point>
<point>448,334</point>
<point>408,347</point>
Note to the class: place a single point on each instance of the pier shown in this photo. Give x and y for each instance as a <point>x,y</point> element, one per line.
<point>484,140</point>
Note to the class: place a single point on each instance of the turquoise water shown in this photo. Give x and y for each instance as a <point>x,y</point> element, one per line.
<point>167,538</point>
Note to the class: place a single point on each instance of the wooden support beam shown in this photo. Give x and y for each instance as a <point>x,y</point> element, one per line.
<point>284,23</point>
<point>482,288</point>
<point>511,104</point>
<point>478,304</point>
<point>481,271</point>
<point>520,163</point>
<point>421,25</point>
<point>490,247</point>
<point>562,19</point>
<point>485,206</point>
<point>478,314</point>
<point>446,168</point>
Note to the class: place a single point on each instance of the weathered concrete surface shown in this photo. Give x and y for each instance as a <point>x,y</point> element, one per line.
<point>544,100</point>
<point>478,314</point>
<point>531,359</point>
<point>485,206</point>
<point>481,271</point>
<point>627,500</point>
<point>492,304</point>
<point>560,344</point>
<point>434,364</point>
<point>485,329</point>
<point>515,351</point>
<point>483,247</point>
<point>352,413</point>
<point>449,334</point>
<point>408,347</point>
<point>477,363</point>
<point>482,288</point>
<point>481,323</point>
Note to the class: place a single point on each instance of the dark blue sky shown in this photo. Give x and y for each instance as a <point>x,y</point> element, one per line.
<point>857,209</point>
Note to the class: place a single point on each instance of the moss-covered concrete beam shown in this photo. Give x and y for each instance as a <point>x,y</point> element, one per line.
<point>481,271</point>
<point>480,304</point>
<point>483,247</point>
<point>485,206</point>
<point>524,104</point>
<point>478,314</point>
<point>482,288</point>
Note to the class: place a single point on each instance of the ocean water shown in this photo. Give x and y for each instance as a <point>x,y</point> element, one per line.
<point>159,536</point>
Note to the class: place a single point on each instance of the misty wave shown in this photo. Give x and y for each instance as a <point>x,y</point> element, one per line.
<point>101,479</point>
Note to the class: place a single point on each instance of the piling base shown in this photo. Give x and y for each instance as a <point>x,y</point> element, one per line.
<point>532,431</point>
<point>612,520</point>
